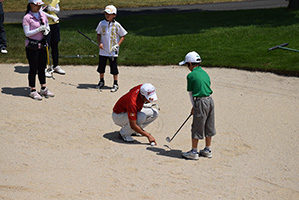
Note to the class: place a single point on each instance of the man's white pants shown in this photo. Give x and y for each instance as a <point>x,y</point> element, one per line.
<point>144,118</point>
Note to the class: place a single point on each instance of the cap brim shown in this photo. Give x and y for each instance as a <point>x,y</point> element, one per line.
<point>109,12</point>
<point>152,97</point>
<point>39,3</point>
<point>182,63</point>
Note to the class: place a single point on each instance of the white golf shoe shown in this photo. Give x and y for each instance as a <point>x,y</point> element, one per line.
<point>46,92</point>
<point>59,70</point>
<point>35,95</point>
<point>4,50</point>
<point>127,138</point>
<point>48,74</point>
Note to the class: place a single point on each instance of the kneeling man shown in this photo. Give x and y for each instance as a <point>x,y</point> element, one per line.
<point>130,113</point>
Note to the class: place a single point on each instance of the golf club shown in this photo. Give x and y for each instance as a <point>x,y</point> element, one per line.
<point>78,56</point>
<point>49,69</point>
<point>282,46</point>
<point>112,57</point>
<point>168,139</point>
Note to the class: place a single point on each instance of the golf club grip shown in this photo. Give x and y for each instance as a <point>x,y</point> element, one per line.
<point>87,38</point>
<point>278,46</point>
<point>181,126</point>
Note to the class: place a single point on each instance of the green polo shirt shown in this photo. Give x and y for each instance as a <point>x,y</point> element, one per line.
<point>198,82</point>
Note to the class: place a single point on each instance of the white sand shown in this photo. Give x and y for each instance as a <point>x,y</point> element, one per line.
<point>67,147</point>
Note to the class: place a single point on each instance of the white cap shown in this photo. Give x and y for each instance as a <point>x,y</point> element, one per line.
<point>192,57</point>
<point>110,9</point>
<point>149,92</point>
<point>36,2</point>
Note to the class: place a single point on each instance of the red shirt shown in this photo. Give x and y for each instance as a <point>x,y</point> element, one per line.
<point>130,103</point>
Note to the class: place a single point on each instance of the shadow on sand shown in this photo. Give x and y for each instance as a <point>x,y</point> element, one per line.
<point>18,91</point>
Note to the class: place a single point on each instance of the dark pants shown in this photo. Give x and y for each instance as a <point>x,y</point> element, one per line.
<point>37,63</point>
<point>2,33</point>
<point>103,62</point>
<point>53,38</point>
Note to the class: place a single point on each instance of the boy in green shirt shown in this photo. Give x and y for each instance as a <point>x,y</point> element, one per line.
<point>203,126</point>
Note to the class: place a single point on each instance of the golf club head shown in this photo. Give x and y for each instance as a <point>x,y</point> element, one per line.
<point>167,139</point>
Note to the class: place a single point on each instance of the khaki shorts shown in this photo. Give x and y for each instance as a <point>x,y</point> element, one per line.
<point>203,118</point>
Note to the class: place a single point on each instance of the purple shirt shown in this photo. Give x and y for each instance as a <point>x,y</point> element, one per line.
<point>33,23</point>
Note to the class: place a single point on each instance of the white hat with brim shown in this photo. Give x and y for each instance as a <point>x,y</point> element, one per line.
<point>149,92</point>
<point>192,57</point>
<point>36,2</point>
<point>110,9</point>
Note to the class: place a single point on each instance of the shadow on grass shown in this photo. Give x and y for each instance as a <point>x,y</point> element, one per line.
<point>18,91</point>
<point>173,22</point>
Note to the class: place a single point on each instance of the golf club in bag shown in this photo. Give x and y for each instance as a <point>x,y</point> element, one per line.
<point>168,139</point>
<point>112,57</point>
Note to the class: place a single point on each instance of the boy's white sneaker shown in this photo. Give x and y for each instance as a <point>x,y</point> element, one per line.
<point>114,88</point>
<point>46,92</point>
<point>191,155</point>
<point>59,70</point>
<point>35,95</point>
<point>4,51</point>
<point>205,153</point>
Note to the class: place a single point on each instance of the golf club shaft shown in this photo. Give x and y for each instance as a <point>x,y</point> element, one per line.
<point>285,48</point>
<point>88,38</point>
<point>181,127</point>
<point>112,57</point>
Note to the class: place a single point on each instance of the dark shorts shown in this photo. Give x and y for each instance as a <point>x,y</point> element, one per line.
<point>103,62</point>
<point>54,35</point>
<point>203,118</point>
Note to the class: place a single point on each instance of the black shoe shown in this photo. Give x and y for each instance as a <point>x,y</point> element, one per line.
<point>101,84</point>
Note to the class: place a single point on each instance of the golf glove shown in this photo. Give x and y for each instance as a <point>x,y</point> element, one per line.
<point>46,31</point>
<point>115,47</point>
<point>50,8</point>
<point>42,28</point>
<point>55,19</point>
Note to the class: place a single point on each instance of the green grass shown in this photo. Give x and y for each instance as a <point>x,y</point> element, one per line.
<point>237,39</point>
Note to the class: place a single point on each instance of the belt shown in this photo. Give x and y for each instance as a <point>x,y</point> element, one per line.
<point>197,98</point>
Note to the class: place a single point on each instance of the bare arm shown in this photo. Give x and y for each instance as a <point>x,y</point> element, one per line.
<point>121,40</point>
<point>137,129</point>
<point>99,41</point>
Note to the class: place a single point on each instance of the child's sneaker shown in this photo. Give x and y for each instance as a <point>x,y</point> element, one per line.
<point>46,92</point>
<point>101,84</point>
<point>35,95</point>
<point>205,153</point>
<point>114,88</point>
<point>191,155</point>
